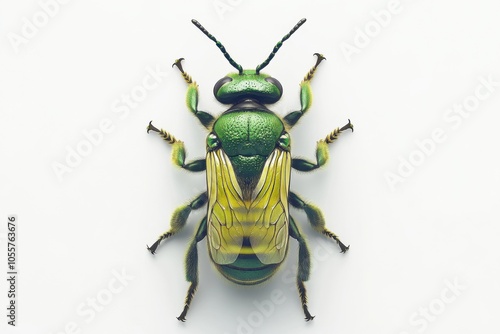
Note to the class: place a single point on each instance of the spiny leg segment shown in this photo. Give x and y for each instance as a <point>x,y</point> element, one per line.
<point>305,94</point>
<point>178,151</point>
<point>322,155</point>
<point>304,267</point>
<point>192,267</point>
<point>334,135</point>
<point>187,77</point>
<point>192,97</point>
<point>179,218</point>
<point>316,219</point>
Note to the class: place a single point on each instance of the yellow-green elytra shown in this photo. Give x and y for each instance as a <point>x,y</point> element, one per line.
<point>248,167</point>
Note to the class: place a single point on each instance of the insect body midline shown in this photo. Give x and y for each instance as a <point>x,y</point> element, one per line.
<point>248,168</point>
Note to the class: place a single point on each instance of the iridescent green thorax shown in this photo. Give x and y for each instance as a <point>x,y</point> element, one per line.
<point>249,132</point>
<point>248,137</point>
<point>248,85</point>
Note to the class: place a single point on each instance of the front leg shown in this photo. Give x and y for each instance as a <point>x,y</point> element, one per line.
<point>178,151</point>
<point>321,151</point>
<point>305,95</point>
<point>192,97</point>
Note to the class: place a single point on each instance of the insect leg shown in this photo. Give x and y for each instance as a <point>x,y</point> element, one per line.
<point>192,97</point>
<point>179,152</point>
<point>316,219</point>
<point>304,267</point>
<point>192,267</point>
<point>305,94</point>
<point>321,151</point>
<point>179,218</point>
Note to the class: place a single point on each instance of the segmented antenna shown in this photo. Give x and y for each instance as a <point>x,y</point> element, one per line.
<point>219,45</point>
<point>278,46</point>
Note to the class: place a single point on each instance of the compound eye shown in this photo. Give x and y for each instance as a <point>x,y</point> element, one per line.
<point>276,83</point>
<point>284,141</point>
<point>212,141</point>
<point>221,82</point>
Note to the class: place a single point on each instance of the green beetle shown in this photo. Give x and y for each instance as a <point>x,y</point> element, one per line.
<point>248,165</point>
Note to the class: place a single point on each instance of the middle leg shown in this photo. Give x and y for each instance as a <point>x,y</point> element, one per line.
<point>321,151</point>
<point>178,151</point>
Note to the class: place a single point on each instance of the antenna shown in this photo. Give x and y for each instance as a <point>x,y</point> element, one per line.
<point>278,46</point>
<point>219,45</point>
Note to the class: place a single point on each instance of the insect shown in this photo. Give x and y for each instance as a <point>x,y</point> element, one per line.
<point>248,165</point>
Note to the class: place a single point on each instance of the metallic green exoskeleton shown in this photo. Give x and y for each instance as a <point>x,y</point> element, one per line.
<point>248,164</point>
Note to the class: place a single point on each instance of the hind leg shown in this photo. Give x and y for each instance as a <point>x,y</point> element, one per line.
<point>304,267</point>
<point>192,267</point>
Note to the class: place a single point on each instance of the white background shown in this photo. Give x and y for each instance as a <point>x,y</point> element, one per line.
<point>439,224</point>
